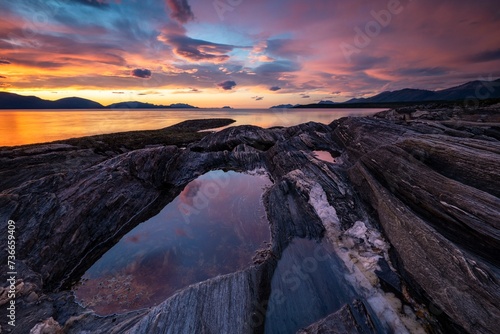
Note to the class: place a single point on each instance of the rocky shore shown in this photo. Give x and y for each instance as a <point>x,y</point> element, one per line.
<point>409,210</point>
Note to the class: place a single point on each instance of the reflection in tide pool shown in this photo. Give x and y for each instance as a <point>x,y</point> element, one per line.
<point>324,155</point>
<point>212,228</point>
<point>311,282</point>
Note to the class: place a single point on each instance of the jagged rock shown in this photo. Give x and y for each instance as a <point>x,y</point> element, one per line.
<point>446,233</point>
<point>350,319</point>
<point>430,185</point>
<point>49,326</point>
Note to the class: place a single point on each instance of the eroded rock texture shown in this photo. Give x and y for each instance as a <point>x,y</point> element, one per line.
<point>431,185</point>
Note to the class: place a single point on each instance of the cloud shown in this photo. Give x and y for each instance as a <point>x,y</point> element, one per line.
<point>274,88</point>
<point>118,92</point>
<point>180,10</point>
<point>199,50</point>
<point>258,98</point>
<point>4,62</point>
<point>39,64</point>
<point>190,91</point>
<point>227,85</point>
<point>304,96</point>
<point>278,66</point>
<point>423,71</point>
<point>141,73</point>
<point>364,62</point>
<point>486,56</point>
<point>2,77</point>
<point>93,3</point>
<point>287,48</point>
<point>149,92</point>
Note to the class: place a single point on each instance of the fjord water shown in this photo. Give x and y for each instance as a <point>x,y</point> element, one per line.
<point>213,227</point>
<point>19,127</point>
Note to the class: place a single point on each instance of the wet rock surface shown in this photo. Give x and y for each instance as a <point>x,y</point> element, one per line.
<point>428,181</point>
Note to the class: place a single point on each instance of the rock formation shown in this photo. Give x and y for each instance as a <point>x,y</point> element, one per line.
<point>410,206</point>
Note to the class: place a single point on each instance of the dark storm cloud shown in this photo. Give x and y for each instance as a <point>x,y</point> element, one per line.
<point>141,73</point>
<point>227,85</point>
<point>486,56</point>
<point>274,88</point>
<point>180,10</point>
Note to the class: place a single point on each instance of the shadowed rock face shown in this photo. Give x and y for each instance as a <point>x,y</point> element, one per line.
<point>430,186</point>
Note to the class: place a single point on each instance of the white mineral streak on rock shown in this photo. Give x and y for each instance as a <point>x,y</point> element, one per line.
<point>366,254</point>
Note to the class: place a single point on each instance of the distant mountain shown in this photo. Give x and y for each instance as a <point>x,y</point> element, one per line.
<point>182,105</point>
<point>475,89</point>
<point>135,105</point>
<point>403,95</point>
<point>16,101</point>
<point>284,106</point>
<point>326,102</point>
<point>76,103</point>
<point>142,105</point>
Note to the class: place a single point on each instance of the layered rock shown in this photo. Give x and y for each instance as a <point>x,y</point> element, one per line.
<point>429,182</point>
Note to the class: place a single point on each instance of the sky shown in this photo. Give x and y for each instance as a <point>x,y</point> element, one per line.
<point>242,53</point>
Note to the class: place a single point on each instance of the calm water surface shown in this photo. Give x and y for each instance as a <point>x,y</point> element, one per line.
<point>212,228</point>
<point>18,127</point>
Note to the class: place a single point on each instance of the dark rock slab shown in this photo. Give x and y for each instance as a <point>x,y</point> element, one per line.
<point>446,233</point>
<point>350,319</point>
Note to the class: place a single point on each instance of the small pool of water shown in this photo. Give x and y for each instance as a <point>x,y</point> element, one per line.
<point>308,284</point>
<point>324,155</point>
<point>212,228</point>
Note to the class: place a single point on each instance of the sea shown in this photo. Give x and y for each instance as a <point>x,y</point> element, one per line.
<point>20,127</point>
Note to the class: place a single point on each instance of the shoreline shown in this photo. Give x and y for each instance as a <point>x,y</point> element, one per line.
<point>178,134</point>
<point>398,172</point>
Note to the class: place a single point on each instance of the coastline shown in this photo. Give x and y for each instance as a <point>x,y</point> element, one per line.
<point>399,172</point>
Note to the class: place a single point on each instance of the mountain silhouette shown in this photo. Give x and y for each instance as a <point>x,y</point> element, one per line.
<point>471,90</point>
<point>15,101</point>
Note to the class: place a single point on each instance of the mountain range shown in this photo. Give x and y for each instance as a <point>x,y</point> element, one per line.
<point>474,90</point>
<point>480,90</point>
<point>15,101</point>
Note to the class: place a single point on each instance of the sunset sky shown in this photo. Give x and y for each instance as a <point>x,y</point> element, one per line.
<point>242,53</point>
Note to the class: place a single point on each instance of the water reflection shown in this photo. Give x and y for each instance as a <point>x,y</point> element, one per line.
<point>308,284</point>
<point>213,227</point>
<point>20,127</point>
<point>324,155</point>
